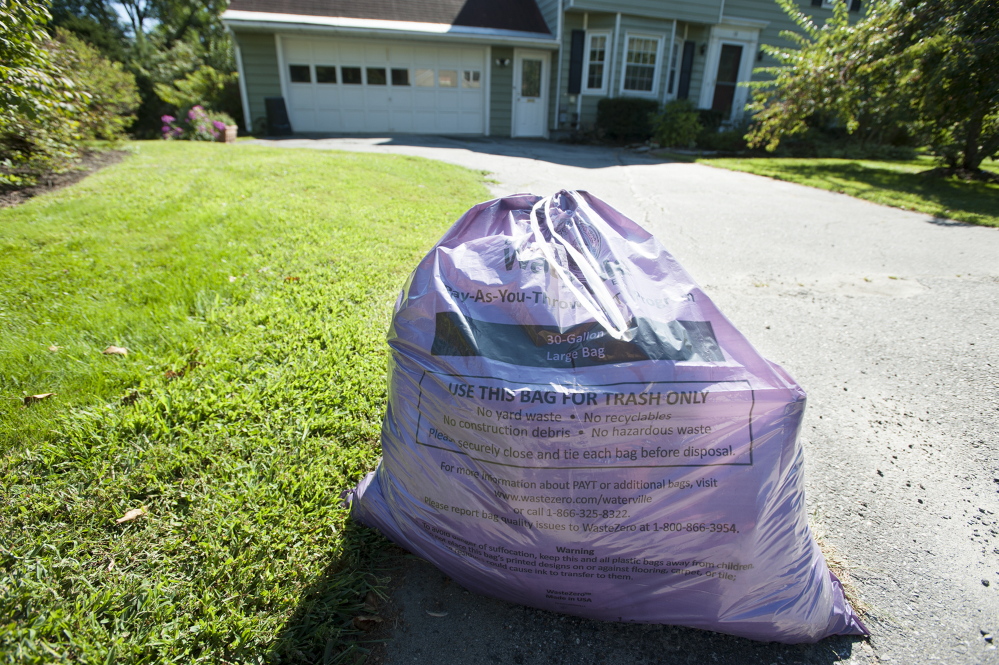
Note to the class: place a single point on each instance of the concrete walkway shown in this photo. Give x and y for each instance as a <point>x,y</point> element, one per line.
<point>889,321</point>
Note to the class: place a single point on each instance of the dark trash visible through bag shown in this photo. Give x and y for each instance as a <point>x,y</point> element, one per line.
<point>573,425</point>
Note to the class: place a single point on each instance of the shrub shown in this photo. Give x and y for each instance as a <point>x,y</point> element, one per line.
<point>38,101</point>
<point>204,86</point>
<point>626,118</point>
<point>677,125</point>
<point>112,94</point>
<point>196,125</point>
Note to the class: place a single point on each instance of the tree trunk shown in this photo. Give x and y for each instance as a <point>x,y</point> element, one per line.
<point>971,156</point>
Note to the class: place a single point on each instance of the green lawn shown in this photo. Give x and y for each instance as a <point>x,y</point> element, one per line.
<point>252,288</point>
<point>889,183</point>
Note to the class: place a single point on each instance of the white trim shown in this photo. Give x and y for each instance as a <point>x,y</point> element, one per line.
<point>751,23</point>
<point>487,82</point>
<point>612,64</point>
<point>244,98</point>
<point>282,74</point>
<point>737,32</point>
<point>265,20</point>
<point>657,69</point>
<point>667,70</point>
<point>587,44</point>
<point>545,73</point>
<point>558,79</point>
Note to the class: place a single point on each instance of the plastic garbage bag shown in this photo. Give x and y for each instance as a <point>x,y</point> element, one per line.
<point>573,425</point>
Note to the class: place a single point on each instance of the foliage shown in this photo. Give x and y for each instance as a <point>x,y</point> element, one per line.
<point>902,184</point>
<point>919,67</point>
<point>93,21</point>
<point>246,404</point>
<point>112,96</point>
<point>176,47</point>
<point>206,86</point>
<point>626,118</point>
<point>38,101</point>
<point>197,125</point>
<point>677,125</point>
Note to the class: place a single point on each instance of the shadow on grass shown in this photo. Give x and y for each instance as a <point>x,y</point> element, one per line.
<point>322,629</point>
<point>946,199</point>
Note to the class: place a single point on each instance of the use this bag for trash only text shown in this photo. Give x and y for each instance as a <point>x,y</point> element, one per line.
<point>573,425</point>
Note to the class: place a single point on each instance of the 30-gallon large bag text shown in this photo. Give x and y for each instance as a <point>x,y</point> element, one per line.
<point>573,425</point>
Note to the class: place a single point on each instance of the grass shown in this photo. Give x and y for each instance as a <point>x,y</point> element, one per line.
<point>894,184</point>
<point>252,288</point>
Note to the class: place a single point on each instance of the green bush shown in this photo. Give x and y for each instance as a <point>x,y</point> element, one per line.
<point>38,101</point>
<point>626,118</point>
<point>112,94</point>
<point>215,90</point>
<point>677,125</point>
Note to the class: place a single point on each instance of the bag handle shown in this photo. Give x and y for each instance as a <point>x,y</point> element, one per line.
<point>596,299</point>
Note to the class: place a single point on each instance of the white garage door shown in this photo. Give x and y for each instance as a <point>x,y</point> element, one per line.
<point>357,86</point>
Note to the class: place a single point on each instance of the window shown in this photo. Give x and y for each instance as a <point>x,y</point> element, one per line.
<point>351,75</point>
<point>641,65</point>
<point>447,78</point>
<point>595,60</point>
<point>400,77</point>
<point>471,78</point>
<point>424,78</point>
<point>376,76</point>
<point>325,74</point>
<point>300,73</point>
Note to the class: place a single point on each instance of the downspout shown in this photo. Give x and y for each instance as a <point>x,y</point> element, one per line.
<point>244,98</point>
<point>613,67</point>
<point>281,73</point>
<point>721,11</point>
<point>558,77</point>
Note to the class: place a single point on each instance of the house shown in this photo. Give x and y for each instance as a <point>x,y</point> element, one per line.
<point>495,67</point>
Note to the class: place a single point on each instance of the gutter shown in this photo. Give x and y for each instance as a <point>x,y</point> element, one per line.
<point>237,19</point>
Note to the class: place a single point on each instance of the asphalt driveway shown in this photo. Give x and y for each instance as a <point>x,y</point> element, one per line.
<point>889,320</point>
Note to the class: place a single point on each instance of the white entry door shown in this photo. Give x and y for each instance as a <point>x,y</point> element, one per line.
<point>530,93</point>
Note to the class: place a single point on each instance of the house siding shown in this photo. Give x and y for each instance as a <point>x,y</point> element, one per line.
<point>500,93</point>
<point>260,67</point>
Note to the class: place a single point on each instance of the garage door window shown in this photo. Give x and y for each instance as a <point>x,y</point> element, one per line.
<point>325,74</point>
<point>447,78</point>
<point>400,77</point>
<point>424,78</point>
<point>351,75</point>
<point>471,78</point>
<point>376,76</point>
<point>300,73</point>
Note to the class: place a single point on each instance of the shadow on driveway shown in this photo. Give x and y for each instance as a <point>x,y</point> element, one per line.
<point>564,154</point>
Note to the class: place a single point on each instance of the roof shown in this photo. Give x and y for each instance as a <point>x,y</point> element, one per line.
<point>514,15</point>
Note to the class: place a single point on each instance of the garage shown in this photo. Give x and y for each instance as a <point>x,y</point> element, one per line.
<point>345,85</point>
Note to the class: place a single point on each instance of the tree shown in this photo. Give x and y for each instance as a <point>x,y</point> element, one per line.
<point>929,68</point>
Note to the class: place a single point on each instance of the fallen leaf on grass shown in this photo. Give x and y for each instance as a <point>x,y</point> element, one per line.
<point>55,349</point>
<point>31,399</point>
<point>170,374</point>
<point>131,515</point>
<point>437,614</point>
<point>289,278</point>
<point>130,398</point>
<point>115,351</point>
<point>367,622</point>
<point>232,278</point>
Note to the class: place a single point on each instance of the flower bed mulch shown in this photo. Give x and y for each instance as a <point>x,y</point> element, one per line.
<point>91,162</point>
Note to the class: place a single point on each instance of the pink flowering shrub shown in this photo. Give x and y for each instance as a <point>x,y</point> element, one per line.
<point>196,125</point>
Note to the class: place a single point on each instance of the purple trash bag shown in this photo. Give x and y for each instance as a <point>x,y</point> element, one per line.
<point>573,425</point>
